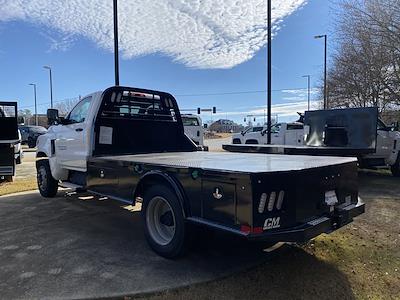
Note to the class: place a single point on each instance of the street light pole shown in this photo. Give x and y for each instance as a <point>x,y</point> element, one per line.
<point>308,90</point>
<point>116,58</point>
<point>326,106</point>
<point>269,68</point>
<point>51,85</point>
<point>34,94</point>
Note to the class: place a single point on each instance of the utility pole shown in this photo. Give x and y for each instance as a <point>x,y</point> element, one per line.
<point>116,56</point>
<point>325,37</point>
<point>269,68</point>
<point>51,85</point>
<point>34,94</point>
<point>308,89</point>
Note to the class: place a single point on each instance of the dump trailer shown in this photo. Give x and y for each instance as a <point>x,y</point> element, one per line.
<point>129,144</point>
<point>9,138</point>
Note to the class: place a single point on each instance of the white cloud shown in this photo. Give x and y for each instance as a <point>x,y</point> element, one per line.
<point>59,42</point>
<point>298,94</point>
<point>197,33</point>
<point>288,109</point>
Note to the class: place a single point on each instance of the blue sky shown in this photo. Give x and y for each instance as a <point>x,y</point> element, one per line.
<point>83,63</point>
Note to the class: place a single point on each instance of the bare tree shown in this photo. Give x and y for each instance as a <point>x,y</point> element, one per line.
<point>365,67</point>
<point>65,106</point>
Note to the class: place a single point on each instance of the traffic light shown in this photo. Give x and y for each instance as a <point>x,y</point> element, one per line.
<point>214,110</point>
<point>198,110</point>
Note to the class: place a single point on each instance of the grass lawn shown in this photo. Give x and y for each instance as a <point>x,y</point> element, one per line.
<point>19,185</point>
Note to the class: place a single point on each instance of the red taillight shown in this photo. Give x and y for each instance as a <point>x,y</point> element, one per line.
<point>257,230</point>
<point>247,229</point>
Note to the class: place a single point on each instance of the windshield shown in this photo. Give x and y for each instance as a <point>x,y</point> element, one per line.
<point>253,129</point>
<point>190,121</point>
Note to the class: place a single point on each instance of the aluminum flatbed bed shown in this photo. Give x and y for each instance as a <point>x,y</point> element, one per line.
<point>231,162</point>
<point>298,150</point>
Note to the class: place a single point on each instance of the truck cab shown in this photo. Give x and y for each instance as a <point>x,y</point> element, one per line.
<point>387,151</point>
<point>70,138</point>
<point>194,128</point>
<point>282,134</point>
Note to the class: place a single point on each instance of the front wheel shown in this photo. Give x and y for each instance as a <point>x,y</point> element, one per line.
<point>31,143</point>
<point>164,223</point>
<point>8,178</point>
<point>395,169</point>
<point>47,185</point>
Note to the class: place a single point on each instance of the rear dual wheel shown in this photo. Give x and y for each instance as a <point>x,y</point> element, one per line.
<point>164,222</point>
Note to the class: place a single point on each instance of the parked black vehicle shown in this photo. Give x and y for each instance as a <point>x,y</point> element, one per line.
<point>30,134</point>
<point>8,139</point>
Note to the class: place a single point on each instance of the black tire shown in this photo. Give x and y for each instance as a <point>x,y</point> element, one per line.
<point>8,178</point>
<point>177,245</point>
<point>236,141</point>
<point>47,185</point>
<point>251,142</point>
<point>396,168</point>
<point>31,143</point>
<point>18,160</point>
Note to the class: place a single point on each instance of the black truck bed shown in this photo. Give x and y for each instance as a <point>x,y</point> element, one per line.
<point>230,162</point>
<point>302,183</point>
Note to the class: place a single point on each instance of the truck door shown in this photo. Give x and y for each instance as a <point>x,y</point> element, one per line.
<point>384,142</point>
<point>278,132</point>
<point>294,134</point>
<point>73,138</point>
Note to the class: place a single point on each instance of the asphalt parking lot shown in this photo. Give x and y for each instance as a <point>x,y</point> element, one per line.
<point>77,246</point>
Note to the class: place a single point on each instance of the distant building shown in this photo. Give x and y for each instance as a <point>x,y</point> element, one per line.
<point>223,125</point>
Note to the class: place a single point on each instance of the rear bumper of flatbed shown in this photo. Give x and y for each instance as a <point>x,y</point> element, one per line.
<point>299,234</point>
<point>312,229</point>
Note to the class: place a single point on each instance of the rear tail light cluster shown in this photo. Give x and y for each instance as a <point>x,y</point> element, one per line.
<point>274,199</point>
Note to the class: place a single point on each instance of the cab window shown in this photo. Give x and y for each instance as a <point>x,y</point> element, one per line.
<point>276,128</point>
<point>80,111</point>
<point>190,121</point>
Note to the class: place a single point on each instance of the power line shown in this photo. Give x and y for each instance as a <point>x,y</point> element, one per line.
<point>197,95</point>
<point>239,92</point>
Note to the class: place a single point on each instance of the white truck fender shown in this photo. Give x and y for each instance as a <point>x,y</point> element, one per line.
<point>394,154</point>
<point>44,150</point>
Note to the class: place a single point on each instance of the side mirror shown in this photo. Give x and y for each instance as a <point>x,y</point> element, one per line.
<point>205,126</point>
<point>52,116</point>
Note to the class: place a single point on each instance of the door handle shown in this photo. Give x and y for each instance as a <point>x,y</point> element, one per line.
<point>79,129</point>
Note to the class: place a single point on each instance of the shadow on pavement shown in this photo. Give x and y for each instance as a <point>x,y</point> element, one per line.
<point>70,247</point>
